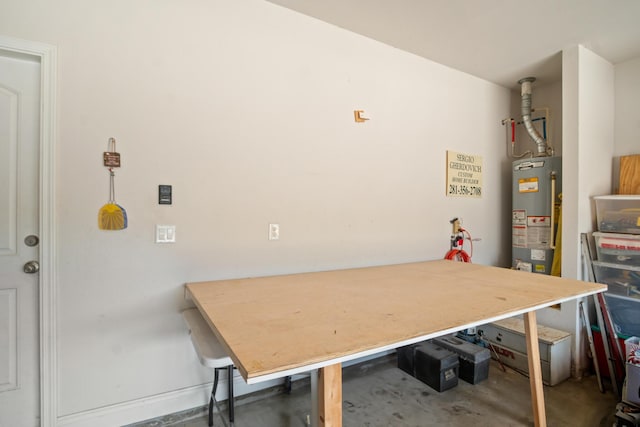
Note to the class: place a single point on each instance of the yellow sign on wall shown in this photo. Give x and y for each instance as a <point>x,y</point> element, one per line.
<point>464,175</point>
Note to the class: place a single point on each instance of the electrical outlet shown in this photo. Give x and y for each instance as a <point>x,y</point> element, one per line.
<point>274,231</point>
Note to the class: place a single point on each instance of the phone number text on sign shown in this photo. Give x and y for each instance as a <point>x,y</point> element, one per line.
<point>464,190</point>
<point>464,175</point>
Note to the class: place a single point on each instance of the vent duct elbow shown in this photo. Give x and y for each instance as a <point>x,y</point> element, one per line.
<point>526,115</point>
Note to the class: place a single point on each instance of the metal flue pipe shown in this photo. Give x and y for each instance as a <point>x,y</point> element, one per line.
<point>526,115</point>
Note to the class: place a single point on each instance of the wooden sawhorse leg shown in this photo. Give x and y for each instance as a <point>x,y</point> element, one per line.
<point>330,396</point>
<point>535,370</point>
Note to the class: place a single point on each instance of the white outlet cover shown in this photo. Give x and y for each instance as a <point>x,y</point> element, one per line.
<point>274,231</point>
<point>165,233</point>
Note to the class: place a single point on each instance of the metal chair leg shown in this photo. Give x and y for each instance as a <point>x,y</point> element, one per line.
<point>231,399</point>
<point>213,395</point>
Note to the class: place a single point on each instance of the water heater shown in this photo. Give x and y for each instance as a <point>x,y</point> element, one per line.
<point>536,185</point>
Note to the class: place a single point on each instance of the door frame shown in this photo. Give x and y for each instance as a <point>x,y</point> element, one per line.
<point>48,290</point>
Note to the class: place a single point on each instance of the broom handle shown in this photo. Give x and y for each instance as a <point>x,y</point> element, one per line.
<point>112,191</point>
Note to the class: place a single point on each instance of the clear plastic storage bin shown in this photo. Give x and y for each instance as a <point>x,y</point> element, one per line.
<point>621,279</point>
<point>618,248</point>
<point>624,313</point>
<point>618,213</point>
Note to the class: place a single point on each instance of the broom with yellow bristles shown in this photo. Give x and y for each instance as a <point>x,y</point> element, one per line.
<point>112,216</point>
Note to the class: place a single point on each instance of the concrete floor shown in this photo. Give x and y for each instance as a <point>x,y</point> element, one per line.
<point>377,394</point>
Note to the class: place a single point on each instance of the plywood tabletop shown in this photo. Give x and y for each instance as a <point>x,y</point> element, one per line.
<point>271,325</point>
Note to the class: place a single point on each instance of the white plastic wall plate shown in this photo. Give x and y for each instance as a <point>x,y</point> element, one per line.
<point>165,233</point>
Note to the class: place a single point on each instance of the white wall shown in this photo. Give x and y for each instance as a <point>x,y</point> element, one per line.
<point>588,112</point>
<point>247,110</point>
<point>627,118</point>
<point>590,162</point>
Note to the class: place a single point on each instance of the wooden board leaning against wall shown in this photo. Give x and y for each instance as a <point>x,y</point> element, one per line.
<point>629,177</point>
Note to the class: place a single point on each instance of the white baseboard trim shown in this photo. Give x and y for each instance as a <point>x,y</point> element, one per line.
<point>154,406</point>
<point>146,408</point>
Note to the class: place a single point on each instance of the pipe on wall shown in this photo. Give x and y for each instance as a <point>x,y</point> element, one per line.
<point>526,115</point>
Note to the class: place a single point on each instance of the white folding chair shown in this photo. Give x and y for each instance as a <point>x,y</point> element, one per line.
<point>211,355</point>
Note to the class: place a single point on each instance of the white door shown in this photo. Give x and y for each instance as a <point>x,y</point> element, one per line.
<point>19,160</point>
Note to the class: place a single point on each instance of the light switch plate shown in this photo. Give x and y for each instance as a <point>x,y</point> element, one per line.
<point>274,231</point>
<point>165,233</point>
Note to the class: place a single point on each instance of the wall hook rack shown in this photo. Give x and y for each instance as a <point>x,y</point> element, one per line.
<point>358,116</point>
